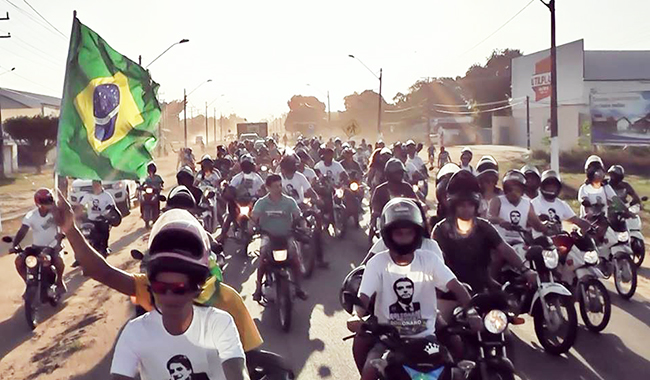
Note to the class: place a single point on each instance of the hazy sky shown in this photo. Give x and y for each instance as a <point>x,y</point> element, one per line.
<point>260,53</point>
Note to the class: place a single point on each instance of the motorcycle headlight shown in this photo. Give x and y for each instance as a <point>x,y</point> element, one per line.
<point>495,321</point>
<point>280,255</point>
<point>31,261</point>
<point>623,236</point>
<point>149,190</point>
<point>551,258</point>
<point>339,193</point>
<point>244,210</point>
<point>635,209</point>
<point>118,185</point>
<point>591,257</point>
<point>354,186</point>
<point>264,168</point>
<point>415,188</point>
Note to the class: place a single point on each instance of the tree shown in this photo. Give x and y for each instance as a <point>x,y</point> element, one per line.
<point>37,133</point>
<point>305,111</point>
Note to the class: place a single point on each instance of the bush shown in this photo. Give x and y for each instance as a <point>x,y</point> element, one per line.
<point>635,160</point>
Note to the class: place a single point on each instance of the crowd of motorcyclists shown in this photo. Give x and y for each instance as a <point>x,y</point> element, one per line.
<point>493,248</point>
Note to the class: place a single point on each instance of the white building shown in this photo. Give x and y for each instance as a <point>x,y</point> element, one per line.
<point>580,74</point>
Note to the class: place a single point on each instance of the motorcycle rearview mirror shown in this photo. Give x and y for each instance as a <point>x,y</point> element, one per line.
<point>352,298</point>
<point>137,254</point>
<point>644,199</point>
<point>162,198</point>
<point>7,239</point>
<point>216,247</point>
<point>586,203</point>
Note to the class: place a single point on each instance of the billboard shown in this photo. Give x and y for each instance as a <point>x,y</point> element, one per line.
<point>620,118</point>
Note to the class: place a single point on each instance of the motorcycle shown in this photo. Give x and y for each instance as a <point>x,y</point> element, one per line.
<point>487,348</point>
<point>112,217</point>
<point>353,197</point>
<point>241,232</point>
<point>333,207</point>
<point>277,285</point>
<point>264,365</point>
<point>40,287</point>
<point>546,302</point>
<point>150,199</point>
<point>208,209</point>
<point>614,250</point>
<point>637,241</point>
<point>578,269</point>
<point>410,358</point>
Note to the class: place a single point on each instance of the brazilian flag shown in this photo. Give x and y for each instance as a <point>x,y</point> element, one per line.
<point>109,112</point>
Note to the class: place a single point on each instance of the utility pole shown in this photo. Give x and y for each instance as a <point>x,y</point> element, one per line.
<point>207,138</point>
<point>528,120</point>
<point>221,126</point>
<point>329,110</point>
<point>2,142</point>
<point>185,114</point>
<point>555,148</point>
<point>379,108</point>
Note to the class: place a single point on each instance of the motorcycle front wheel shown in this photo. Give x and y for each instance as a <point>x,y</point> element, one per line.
<point>339,222</point>
<point>284,303</point>
<point>267,365</point>
<point>625,277</point>
<point>307,259</point>
<point>596,308</point>
<point>559,333</point>
<point>31,308</point>
<point>638,248</point>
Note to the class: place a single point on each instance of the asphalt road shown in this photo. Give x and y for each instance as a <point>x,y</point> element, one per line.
<point>75,340</point>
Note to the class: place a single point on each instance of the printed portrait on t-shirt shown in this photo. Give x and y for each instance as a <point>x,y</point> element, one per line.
<point>95,206</point>
<point>180,368</point>
<point>291,191</point>
<point>515,217</point>
<point>405,314</point>
<point>552,215</point>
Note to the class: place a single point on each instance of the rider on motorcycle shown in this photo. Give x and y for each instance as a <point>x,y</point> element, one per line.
<point>442,179</point>
<point>533,180</point>
<point>513,209</point>
<point>153,179</point>
<point>595,190</point>
<point>487,173</point>
<point>349,164</point>
<point>185,177</point>
<point>402,280</point>
<point>275,215</point>
<point>44,231</point>
<point>247,182</point>
<point>328,167</point>
<point>177,269</point>
<point>304,166</point>
<point>466,156</point>
<point>394,187</point>
<point>548,202</point>
<point>622,188</point>
<point>414,158</point>
<point>96,204</point>
<point>467,241</point>
<point>295,184</point>
<point>223,163</point>
<point>208,175</point>
<point>376,175</point>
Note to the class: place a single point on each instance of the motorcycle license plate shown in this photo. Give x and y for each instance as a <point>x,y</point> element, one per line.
<point>432,375</point>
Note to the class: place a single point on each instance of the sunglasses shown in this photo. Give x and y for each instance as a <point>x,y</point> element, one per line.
<point>178,288</point>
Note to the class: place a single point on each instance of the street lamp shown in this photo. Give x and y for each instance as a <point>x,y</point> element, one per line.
<point>207,140</point>
<point>8,71</point>
<point>329,116</point>
<point>555,149</point>
<point>380,77</point>
<point>184,40</point>
<point>185,95</point>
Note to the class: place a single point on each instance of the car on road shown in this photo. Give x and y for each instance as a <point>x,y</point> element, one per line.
<point>249,137</point>
<point>124,192</point>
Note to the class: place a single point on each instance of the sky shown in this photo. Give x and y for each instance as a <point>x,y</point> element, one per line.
<point>260,53</point>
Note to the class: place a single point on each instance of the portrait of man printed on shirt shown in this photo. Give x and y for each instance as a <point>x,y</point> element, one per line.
<point>180,368</point>
<point>405,314</point>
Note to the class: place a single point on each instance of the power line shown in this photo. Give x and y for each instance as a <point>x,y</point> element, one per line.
<point>44,19</point>
<point>477,112</point>
<point>499,28</point>
<point>34,19</point>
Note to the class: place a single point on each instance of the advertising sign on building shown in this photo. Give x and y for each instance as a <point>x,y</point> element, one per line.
<point>541,80</point>
<point>620,118</point>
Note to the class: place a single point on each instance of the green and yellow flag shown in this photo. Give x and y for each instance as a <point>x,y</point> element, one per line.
<point>109,112</point>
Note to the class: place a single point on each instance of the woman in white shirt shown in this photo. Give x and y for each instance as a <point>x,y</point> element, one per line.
<point>595,190</point>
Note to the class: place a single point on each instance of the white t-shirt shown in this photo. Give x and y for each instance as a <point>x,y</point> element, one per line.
<point>252,182</point>
<point>296,186</point>
<point>417,161</point>
<point>211,179</point>
<point>333,171</point>
<point>601,195</point>
<point>44,229</point>
<point>411,169</point>
<point>469,168</point>
<point>406,295</point>
<point>146,347</point>
<point>309,173</point>
<point>97,204</point>
<point>516,215</point>
<point>557,211</point>
<point>429,245</point>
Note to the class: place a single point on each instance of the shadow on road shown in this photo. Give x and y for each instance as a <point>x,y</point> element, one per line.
<point>643,272</point>
<point>636,307</point>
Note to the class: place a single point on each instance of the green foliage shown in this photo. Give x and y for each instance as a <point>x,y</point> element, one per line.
<point>38,133</point>
<point>305,111</point>
<point>635,160</point>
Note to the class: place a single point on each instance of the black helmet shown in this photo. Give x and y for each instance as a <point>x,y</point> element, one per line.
<point>530,169</point>
<point>514,177</point>
<point>290,162</point>
<point>550,176</point>
<point>351,284</point>
<point>400,213</point>
<point>184,172</point>
<point>394,170</point>
<point>463,186</point>
<point>616,173</point>
<point>180,197</point>
<point>152,167</point>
